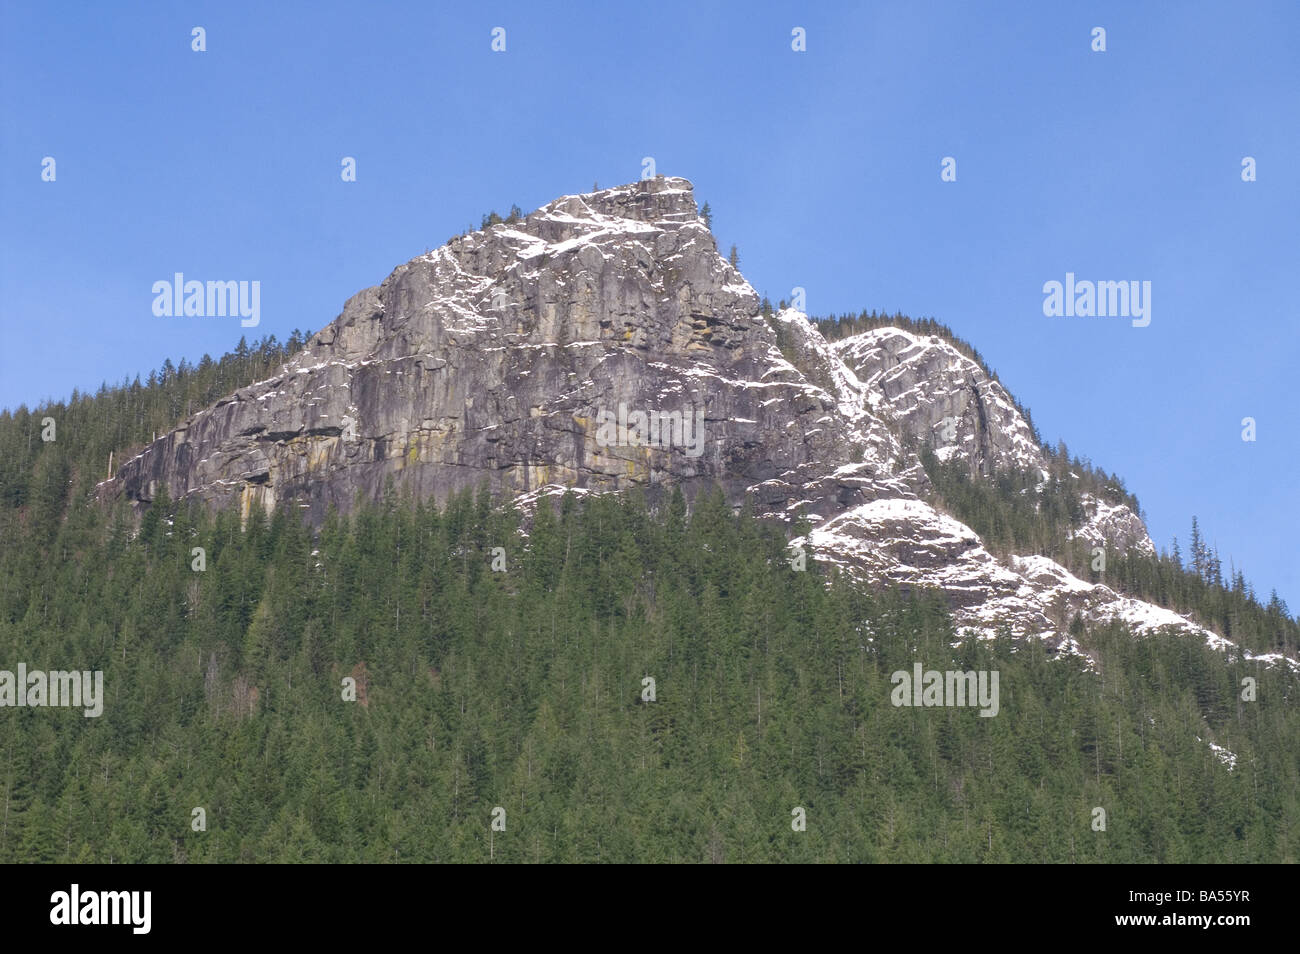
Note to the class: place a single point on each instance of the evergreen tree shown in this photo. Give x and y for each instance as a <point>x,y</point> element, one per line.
<point>1197,551</point>
<point>524,688</point>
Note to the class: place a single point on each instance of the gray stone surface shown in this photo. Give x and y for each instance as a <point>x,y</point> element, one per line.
<point>493,357</point>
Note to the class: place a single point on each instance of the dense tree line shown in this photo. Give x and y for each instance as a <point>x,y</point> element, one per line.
<point>1017,511</point>
<point>41,475</point>
<point>525,690</point>
<point>1022,510</point>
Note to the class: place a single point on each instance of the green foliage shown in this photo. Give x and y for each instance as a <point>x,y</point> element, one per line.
<point>1018,511</point>
<point>41,477</point>
<point>492,218</point>
<point>523,690</point>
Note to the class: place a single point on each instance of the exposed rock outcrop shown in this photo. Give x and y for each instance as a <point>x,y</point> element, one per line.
<point>495,357</point>
<point>602,342</point>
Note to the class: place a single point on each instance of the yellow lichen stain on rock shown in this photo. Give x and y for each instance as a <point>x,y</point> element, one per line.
<point>251,494</point>
<point>318,452</point>
<point>641,466</point>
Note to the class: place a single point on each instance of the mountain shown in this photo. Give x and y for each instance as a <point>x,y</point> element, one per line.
<point>492,357</point>
<point>520,534</point>
<point>500,356</point>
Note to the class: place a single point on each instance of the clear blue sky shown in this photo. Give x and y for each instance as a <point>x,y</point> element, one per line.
<point>822,166</point>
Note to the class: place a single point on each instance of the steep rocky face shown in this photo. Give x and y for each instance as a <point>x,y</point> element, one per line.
<point>1114,525</point>
<point>941,398</point>
<point>602,342</point>
<point>498,356</point>
<point>938,397</point>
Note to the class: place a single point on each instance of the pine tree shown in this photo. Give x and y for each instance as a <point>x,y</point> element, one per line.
<point>524,688</point>
<point>1197,550</point>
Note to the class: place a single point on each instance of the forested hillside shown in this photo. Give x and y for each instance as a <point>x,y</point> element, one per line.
<point>523,688</point>
<point>1018,512</point>
<point>118,419</point>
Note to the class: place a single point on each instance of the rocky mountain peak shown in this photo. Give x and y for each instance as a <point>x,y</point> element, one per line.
<point>601,343</point>
<point>498,357</point>
<point>664,199</point>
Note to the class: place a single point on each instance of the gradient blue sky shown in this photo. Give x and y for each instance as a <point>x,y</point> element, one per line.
<point>822,166</point>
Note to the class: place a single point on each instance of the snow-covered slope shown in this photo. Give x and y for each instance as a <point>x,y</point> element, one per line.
<point>934,393</point>
<point>911,543</point>
<point>928,391</point>
<point>1114,525</point>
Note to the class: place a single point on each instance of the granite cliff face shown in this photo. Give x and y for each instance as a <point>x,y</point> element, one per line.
<point>602,342</point>
<point>495,357</point>
<point>940,397</point>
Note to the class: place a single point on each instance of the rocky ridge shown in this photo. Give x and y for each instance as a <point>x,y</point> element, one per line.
<point>505,355</point>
